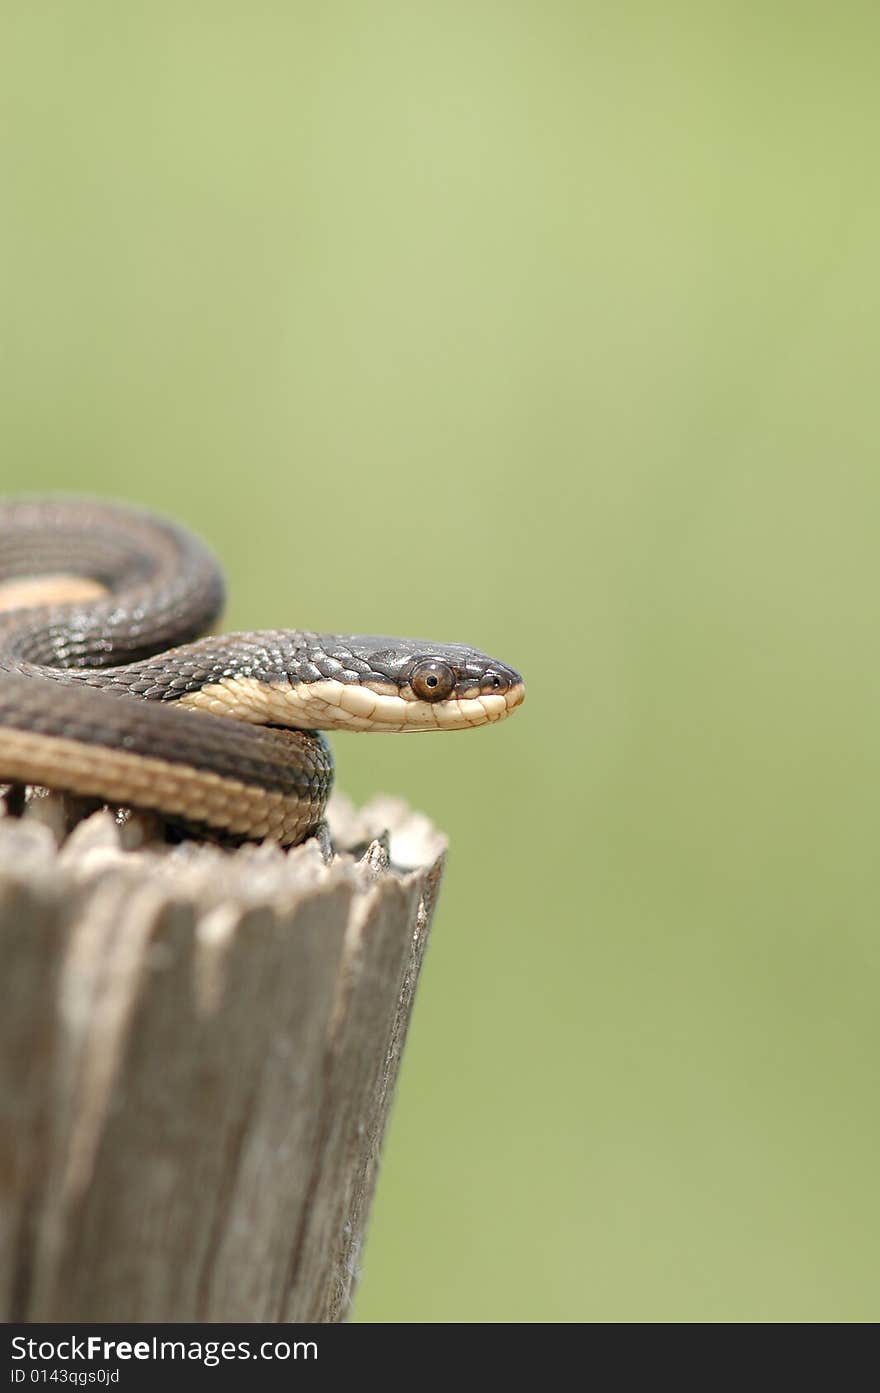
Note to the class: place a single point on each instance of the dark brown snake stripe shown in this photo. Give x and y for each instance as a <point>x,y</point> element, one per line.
<point>111,694</point>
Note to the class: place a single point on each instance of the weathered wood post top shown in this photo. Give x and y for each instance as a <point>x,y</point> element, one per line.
<point>198,1049</point>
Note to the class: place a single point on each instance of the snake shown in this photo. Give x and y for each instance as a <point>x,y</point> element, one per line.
<point>114,687</point>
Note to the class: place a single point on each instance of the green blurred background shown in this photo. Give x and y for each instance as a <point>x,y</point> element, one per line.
<point>552,327</point>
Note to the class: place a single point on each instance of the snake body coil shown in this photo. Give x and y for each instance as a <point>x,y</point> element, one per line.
<point>107,691</point>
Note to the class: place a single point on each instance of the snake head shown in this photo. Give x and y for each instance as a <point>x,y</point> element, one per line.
<point>357,682</point>
<point>415,684</point>
<point>311,681</point>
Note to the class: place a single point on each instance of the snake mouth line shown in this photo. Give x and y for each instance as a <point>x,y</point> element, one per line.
<point>330,705</point>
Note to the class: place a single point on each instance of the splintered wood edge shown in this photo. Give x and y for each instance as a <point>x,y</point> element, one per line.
<point>197,1057</point>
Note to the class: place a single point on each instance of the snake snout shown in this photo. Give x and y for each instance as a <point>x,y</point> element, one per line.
<point>497,679</point>
<point>500,679</point>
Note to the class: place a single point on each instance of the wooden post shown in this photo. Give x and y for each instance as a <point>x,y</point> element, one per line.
<point>198,1049</point>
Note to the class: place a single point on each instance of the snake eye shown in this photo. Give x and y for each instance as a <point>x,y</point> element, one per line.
<point>432,680</point>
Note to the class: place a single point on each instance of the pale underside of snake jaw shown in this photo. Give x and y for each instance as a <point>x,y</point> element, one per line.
<point>331,705</point>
